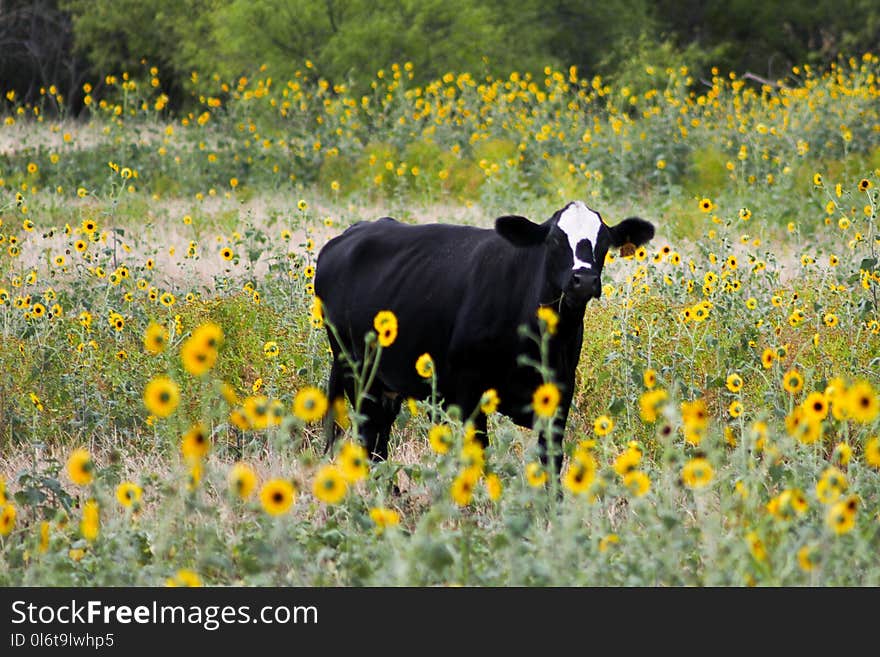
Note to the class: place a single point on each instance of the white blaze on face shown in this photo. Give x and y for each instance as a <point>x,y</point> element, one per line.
<point>578,223</point>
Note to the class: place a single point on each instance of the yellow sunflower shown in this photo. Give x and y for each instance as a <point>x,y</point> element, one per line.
<point>161,396</point>
<point>545,400</point>
<point>242,480</point>
<point>80,467</point>
<point>277,496</point>
<point>310,404</point>
<point>330,485</point>
<point>129,494</point>
<point>196,442</point>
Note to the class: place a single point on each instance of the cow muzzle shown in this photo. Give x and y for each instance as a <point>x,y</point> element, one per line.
<point>584,285</point>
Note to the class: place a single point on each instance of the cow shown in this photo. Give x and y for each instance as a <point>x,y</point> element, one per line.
<point>461,294</point>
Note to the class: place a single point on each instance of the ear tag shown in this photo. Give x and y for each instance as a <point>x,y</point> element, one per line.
<point>628,250</point>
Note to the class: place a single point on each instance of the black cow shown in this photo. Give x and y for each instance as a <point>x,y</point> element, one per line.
<point>460,294</point>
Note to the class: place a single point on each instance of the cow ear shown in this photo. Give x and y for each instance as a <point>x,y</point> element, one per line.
<point>519,231</point>
<point>632,231</point>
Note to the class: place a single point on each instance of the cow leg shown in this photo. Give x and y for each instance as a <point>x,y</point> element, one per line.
<point>545,440</point>
<point>482,433</point>
<point>379,411</point>
<point>467,397</point>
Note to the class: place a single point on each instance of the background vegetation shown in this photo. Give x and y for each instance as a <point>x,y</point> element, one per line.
<point>62,42</point>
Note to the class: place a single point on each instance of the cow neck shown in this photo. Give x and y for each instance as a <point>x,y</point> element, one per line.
<point>570,318</point>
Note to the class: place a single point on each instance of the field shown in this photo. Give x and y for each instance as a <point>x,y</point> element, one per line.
<point>163,355</point>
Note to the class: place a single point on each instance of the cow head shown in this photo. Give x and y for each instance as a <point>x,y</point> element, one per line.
<point>576,240</point>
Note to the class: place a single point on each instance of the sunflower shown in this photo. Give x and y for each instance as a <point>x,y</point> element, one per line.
<point>606,542</point>
<point>316,313</point>
<point>385,324</point>
<point>793,381</point>
<point>7,518</point>
<point>580,474</point>
<point>734,382</point>
<point>872,452</point>
<point>197,357</point>
<point>161,396</point>
<point>194,475</point>
<point>383,518</point>
<point>310,404</point>
<point>697,473</point>
<point>767,358</point>
<point>831,485</point>
<point>277,496</point>
<point>241,417</point>
<point>440,438</point>
<point>80,467</point>
<point>841,516</point>
<point>545,400</point>
<point>808,557</point>
<point>862,403</point>
<point>330,485</point>
<point>472,456</point>
<point>649,404</point>
<point>788,504</point>
<point>756,546</point>
<point>549,319</point>
<point>45,535</point>
<point>242,480</point>
<point>735,409</point>
<point>694,414</point>
<point>836,394</point>
<point>184,578</point>
<point>462,489</point>
<point>425,366</point>
<point>90,526</point>
<point>805,429</point>
<point>842,454</point>
<point>129,494</point>
<point>209,335</point>
<point>706,205</point>
<point>489,401</point>
<point>353,462</point>
<point>493,486</point>
<point>603,425</point>
<point>627,461</point>
<point>270,349</point>
<point>649,378</point>
<point>196,443</point>
<point>815,406</point>
<point>536,475</point>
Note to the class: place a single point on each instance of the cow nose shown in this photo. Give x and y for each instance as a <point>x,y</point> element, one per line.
<point>585,283</point>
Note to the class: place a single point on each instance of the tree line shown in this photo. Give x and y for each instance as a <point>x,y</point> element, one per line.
<point>66,42</point>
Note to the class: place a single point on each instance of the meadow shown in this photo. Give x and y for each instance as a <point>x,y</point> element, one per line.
<point>164,357</point>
